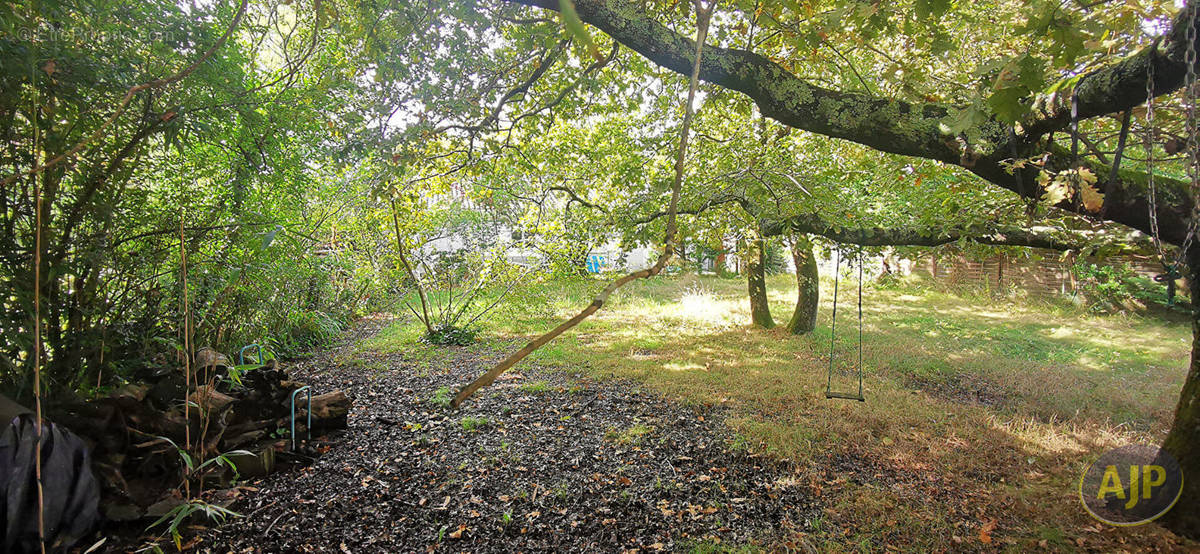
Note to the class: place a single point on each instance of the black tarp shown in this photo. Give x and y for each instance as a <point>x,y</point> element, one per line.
<point>70,491</point>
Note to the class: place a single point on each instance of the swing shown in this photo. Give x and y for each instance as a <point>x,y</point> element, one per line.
<point>829,392</point>
<point>1171,266</point>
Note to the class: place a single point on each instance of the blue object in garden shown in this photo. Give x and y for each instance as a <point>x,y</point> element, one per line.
<point>257,353</point>
<point>595,263</point>
<point>308,430</point>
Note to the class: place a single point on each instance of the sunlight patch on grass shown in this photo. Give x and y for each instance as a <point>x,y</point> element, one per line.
<point>675,366</point>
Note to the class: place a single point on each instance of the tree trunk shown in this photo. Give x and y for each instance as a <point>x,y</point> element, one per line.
<point>756,280</point>
<point>808,293</point>
<point>1183,441</point>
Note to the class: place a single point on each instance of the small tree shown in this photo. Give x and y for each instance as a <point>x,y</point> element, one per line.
<point>455,264</point>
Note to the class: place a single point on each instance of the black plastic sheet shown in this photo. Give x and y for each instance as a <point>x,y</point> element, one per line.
<point>70,491</point>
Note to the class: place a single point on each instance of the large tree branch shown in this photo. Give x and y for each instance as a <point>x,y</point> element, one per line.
<point>913,128</point>
<point>1032,236</point>
<point>1122,85</point>
<point>1035,236</point>
<point>881,123</point>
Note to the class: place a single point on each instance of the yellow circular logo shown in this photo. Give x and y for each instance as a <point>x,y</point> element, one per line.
<point>1131,485</point>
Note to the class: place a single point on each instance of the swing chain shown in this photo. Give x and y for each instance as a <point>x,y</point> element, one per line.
<point>860,283</point>
<point>837,267</point>
<point>1148,141</point>
<point>1076,180</point>
<point>1170,266</point>
<point>833,330</point>
<point>1189,99</point>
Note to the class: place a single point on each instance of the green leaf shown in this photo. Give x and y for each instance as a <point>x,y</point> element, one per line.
<point>269,237</point>
<point>962,119</point>
<point>1032,74</point>
<point>187,459</point>
<point>1006,104</point>
<point>575,26</point>
<point>931,9</point>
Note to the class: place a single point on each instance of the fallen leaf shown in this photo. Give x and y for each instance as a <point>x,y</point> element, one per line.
<point>985,532</point>
<point>457,534</point>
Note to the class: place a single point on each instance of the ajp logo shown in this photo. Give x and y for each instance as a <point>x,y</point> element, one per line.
<point>1131,485</point>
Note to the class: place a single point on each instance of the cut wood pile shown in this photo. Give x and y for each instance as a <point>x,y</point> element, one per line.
<point>145,441</point>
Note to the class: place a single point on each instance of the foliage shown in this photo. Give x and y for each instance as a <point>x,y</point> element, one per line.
<point>1118,288</point>
<point>178,515</point>
<point>448,335</point>
<point>218,168</point>
<point>441,397</point>
<point>286,155</point>
<point>472,423</point>
<point>775,260</point>
<point>451,254</point>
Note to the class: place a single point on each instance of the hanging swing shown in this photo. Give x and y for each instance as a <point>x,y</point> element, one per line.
<point>1171,266</point>
<point>829,392</point>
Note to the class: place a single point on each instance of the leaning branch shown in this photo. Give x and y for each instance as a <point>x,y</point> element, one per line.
<point>702,18</point>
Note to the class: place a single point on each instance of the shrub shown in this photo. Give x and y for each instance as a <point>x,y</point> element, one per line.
<point>446,335</point>
<point>1115,287</point>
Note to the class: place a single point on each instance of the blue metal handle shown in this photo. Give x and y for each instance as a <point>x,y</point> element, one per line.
<point>308,430</point>
<point>257,353</point>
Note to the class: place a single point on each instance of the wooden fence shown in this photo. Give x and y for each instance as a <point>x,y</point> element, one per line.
<point>1044,273</point>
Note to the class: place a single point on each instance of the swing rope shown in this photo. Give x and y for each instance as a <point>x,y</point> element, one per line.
<point>829,393</point>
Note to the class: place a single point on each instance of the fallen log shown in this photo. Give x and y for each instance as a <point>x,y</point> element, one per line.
<point>329,412</point>
<point>209,400</point>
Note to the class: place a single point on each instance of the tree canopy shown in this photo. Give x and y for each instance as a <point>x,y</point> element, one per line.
<point>225,172</point>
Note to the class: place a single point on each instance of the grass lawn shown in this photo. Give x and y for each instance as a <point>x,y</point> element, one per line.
<point>981,413</point>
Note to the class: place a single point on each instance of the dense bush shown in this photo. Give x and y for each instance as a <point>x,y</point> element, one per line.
<point>224,169</point>
<point>449,335</point>
<point>1117,287</point>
